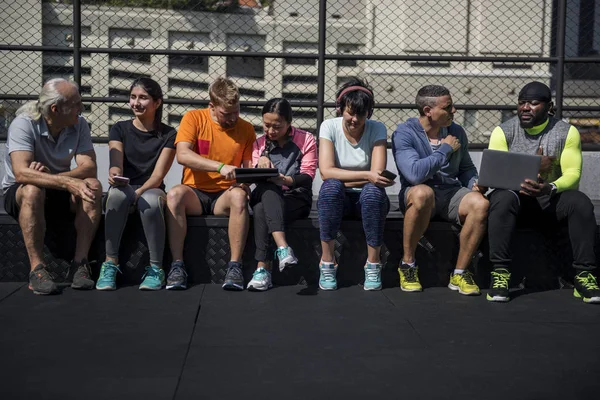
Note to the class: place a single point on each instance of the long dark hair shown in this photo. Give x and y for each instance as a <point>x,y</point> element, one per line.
<point>153,89</point>
<point>282,108</point>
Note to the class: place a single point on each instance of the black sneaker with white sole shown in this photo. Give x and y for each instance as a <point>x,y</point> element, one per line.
<point>234,278</point>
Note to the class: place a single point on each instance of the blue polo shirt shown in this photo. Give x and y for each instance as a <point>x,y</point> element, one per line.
<point>26,134</point>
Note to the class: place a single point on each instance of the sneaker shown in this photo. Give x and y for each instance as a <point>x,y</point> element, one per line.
<point>464,283</point>
<point>41,281</point>
<point>499,285</point>
<point>261,280</point>
<point>327,274</point>
<point>177,279</point>
<point>108,276</point>
<point>409,278</point>
<point>153,279</point>
<point>586,287</point>
<point>372,276</point>
<point>234,278</point>
<point>286,257</point>
<point>82,279</point>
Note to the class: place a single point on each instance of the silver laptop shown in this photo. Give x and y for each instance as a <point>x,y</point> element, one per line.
<point>504,170</point>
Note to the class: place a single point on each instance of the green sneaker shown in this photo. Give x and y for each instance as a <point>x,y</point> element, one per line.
<point>108,276</point>
<point>153,279</point>
<point>586,287</point>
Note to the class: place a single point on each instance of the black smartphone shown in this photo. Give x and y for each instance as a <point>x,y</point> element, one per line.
<point>388,174</point>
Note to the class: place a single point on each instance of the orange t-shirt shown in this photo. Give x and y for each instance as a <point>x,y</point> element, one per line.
<point>229,146</point>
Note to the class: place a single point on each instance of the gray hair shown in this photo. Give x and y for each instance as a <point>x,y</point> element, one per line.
<point>50,95</point>
<point>427,96</point>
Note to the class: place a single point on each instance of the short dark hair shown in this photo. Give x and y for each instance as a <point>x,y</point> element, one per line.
<point>153,89</point>
<point>280,107</point>
<point>358,101</point>
<point>427,95</point>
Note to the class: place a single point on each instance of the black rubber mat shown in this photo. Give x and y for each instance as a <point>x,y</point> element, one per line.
<point>353,344</point>
<point>95,345</point>
<point>8,288</point>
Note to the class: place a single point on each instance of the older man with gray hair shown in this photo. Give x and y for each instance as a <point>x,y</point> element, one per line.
<point>42,141</point>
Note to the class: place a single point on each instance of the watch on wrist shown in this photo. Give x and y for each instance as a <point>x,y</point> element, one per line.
<point>553,189</point>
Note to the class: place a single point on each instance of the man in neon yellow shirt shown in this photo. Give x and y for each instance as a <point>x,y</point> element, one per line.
<point>552,199</point>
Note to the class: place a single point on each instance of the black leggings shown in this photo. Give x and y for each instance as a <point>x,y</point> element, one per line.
<point>572,205</point>
<point>272,209</point>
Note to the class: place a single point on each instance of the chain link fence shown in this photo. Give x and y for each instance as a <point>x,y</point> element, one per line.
<point>484,51</point>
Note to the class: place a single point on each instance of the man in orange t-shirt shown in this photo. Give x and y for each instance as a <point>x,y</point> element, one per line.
<point>211,143</point>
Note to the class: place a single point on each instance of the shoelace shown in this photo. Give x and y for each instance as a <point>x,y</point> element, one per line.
<point>410,274</point>
<point>260,274</point>
<point>177,271</point>
<point>109,272</point>
<point>588,281</point>
<point>328,274</point>
<point>372,275</point>
<point>234,273</point>
<point>500,280</point>
<point>151,272</point>
<point>281,253</point>
<point>468,278</point>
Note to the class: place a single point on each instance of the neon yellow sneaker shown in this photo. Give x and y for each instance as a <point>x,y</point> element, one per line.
<point>409,279</point>
<point>464,283</point>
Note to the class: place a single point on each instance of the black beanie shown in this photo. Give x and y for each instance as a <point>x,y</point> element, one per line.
<point>536,91</point>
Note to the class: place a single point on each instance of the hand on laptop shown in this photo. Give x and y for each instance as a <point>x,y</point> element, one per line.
<point>546,164</point>
<point>228,171</point>
<point>452,141</point>
<point>282,180</point>
<point>480,189</point>
<point>535,189</point>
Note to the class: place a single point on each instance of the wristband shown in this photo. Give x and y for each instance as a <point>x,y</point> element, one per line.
<point>220,166</point>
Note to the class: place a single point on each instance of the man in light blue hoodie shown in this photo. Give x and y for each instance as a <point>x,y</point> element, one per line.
<point>438,180</point>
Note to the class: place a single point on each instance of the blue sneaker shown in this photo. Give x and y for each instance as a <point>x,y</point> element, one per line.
<point>261,281</point>
<point>177,279</point>
<point>286,257</point>
<point>372,276</point>
<point>153,279</point>
<point>234,278</point>
<point>327,279</point>
<point>108,276</point>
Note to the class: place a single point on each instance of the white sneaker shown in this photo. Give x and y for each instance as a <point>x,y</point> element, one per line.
<point>286,257</point>
<point>261,280</point>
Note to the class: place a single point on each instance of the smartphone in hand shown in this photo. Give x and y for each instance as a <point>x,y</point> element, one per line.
<point>120,179</point>
<point>388,174</point>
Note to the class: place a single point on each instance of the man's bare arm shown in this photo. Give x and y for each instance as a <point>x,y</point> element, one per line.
<point>86,166</point>
<point>21,161</point>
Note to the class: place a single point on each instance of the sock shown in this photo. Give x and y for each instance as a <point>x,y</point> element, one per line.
<point>410,265</point>
<point>458,271</point>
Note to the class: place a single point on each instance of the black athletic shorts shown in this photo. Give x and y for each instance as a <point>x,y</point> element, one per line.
<point>57,204</point>
<point>207,200</point>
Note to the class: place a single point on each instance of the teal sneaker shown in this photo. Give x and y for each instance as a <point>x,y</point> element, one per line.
<point>372,276</point>
<point>327,280</point>
<point>108,276</point>
<point>261,281</point>
<point>153,279</point>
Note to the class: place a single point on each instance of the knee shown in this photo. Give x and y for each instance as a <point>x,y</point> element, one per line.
<point>238,200</point>
<point>421,197</point>
<point>331,187</point>
<point>31,194</point>
<point>478,206</point>
<point>503,198</point>
<point>175,197</point>
<point>372,193</point>
<point>94,184</point>
<point>116,196</point>
<point>578,202</point>
<point>152,201</point>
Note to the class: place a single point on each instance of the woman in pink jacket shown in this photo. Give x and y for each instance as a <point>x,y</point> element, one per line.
<point>285,198</point>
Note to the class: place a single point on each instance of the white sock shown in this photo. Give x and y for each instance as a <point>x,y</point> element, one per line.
<point>458,271</point>
<point>411,265</point>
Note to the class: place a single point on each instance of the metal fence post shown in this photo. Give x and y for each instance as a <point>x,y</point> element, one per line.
<point>321,62</point>
<point>77,42</point>
<point>560,54</point>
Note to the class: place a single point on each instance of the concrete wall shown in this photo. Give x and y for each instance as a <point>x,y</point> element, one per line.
<point>590,181</point>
